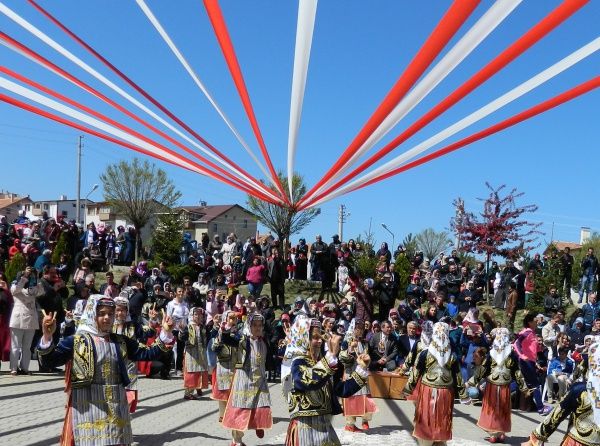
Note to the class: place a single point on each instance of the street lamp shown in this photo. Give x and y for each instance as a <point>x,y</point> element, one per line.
<point>393,236</point>
<point>94,187</point>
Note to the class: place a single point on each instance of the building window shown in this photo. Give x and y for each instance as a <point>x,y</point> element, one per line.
<point>91,211</point>
<point>37,206</point>
<point>74,205</point>
<point>28,208</point>
<point>215,227</point>
<point>45,206</point>
<point>65,214</point>
<point>245,224</point>
<point>225,215</point>
<point>234,217</point>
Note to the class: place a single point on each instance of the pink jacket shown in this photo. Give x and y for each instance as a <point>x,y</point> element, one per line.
<point>526,345</point>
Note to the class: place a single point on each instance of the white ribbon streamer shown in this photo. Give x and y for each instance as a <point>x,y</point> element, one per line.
<point>307,10</point>
<point>165,36</point>
<point>96,123</point>
<point>515,93</point>
<point>66,53</point>
<point>459,52</point>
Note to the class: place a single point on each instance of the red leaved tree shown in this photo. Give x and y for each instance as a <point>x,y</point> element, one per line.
<point>499,230</point>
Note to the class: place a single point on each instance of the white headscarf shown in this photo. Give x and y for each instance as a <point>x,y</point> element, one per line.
<point>426,333</point>
<point>87,323</point>
<point>251,317</point>
<point>593,380</point>
<point>298,342</point>
<point>440,343</point>
<point>501,347</point>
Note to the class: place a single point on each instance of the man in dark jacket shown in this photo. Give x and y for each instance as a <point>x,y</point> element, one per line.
<point>408,341</point>
<point>566,270</point>
<point>386,296</point>
<point>383,349</point>
<point>589,269</point>
<point>276,275</point>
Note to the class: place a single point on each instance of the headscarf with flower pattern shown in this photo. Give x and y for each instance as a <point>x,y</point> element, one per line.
<point>440,343</point>
<point>298,341</point>
<point>501,347</point>
<point>426,333</point>
<point>124,302</point>
<point>593,378</point>
<point>202,313</point>
<point>87,323</point>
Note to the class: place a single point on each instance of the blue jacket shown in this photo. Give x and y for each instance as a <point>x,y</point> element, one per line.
<point>590,312</point>
<point>556,365</point>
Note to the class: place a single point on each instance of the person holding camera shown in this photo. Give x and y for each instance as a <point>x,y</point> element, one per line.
<point>24,320</point>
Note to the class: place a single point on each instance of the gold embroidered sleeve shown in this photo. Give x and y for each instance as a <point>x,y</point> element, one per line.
<point>346,358</point>
<point>413,378</point>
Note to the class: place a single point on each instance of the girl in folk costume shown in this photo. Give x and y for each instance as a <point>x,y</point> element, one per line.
<point>195,359</point>
<point>498,369</point>
<point>123,325</point>
<point>315,383</point>
<point>359,404</point>
<point>440,376</point>
<point>581,405</point>
<point>418,347</point>
<point>226,360</point>
<point>97,410</point>
<point>249,403</point>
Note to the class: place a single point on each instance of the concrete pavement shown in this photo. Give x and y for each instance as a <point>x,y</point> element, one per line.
<point>33,412</point>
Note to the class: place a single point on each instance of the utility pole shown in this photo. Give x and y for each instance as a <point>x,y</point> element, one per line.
<point>342,215</point>
<point>79,147</point>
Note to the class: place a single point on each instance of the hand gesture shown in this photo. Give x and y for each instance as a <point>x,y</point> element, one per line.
<point>353,345</point>
<point>69,314</point>
<point>48,325</point>
<point>152,314</point>
<point>334,344</point>
<point>167,322</point>
<point>364,360</point>
<point>28,271</point>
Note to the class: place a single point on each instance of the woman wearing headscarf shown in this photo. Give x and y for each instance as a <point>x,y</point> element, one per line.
<point>498,369</point>
<point>249,404</point>
<point>315,383</point>
<point>360,404</point>
<point>195,359</point>
<point>438,370</point>
<point>418,347</point>
<point>581,405</point>
<point>97,409</point>
<point>226,359</point>
<point>123,325</point>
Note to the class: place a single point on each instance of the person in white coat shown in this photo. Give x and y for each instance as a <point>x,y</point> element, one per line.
<point>24,321</point>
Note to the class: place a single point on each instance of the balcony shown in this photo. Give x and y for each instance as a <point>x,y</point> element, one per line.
<point>106,216</point>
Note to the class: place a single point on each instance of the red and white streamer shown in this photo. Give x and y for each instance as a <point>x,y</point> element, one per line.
<point>213,153</point>
<point>474,117</point>
<point>35,57</point>
<point>113,128</point>
<point>492,18</point>
<point>307,10</point>
<point>526,41</point>
<point>188,68</point>
<point>220,28</point>
<point>569,95</point>
<point>453,19</point>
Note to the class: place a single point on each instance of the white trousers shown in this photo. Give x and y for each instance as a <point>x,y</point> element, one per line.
<point>20,348</point>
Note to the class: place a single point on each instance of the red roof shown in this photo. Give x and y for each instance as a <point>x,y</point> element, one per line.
<point>209,213</point>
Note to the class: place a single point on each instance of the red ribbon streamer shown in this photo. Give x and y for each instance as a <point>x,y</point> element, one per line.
<point>573,93</point>
<point>137,87</point>
<point>527,40</point>
<point>450,23</point>
<point>53,67</point>
<point>220,27</point>
<point>114,123</point>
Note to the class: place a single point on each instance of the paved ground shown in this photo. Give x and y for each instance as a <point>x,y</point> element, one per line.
<point>33,411</point>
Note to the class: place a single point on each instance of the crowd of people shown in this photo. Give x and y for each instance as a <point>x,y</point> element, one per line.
<point>216,335</point>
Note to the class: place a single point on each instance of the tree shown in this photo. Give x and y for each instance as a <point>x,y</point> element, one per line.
<point>167,238</point>
<point>543,280</point>
<point>284,220</point>
<point>402,267</point>
<point>410,246</point>
<point>499,229</point>
<point>431,243</point>
<point>138,190</point>
<point>60,248</point>
<point>15,266</point>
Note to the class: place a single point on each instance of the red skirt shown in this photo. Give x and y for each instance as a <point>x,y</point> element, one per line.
<point>495,411</point>
<point>216,394</point>
<point>239,419</point>
<point>433,414</point>
<point>145,366</point>
<point>414,396</point>
<point>195,380</point>
<point>132,399</point>
<point>359,405</point>
<point>570,441</point>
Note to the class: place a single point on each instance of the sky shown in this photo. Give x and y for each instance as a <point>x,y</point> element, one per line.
<point>359,50</point>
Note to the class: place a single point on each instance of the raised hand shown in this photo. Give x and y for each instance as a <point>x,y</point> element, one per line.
<point>363,360</point>
<point>48,325</point>
<point>334,344</point>
<point>152,314</point>
<point>167,322</point>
